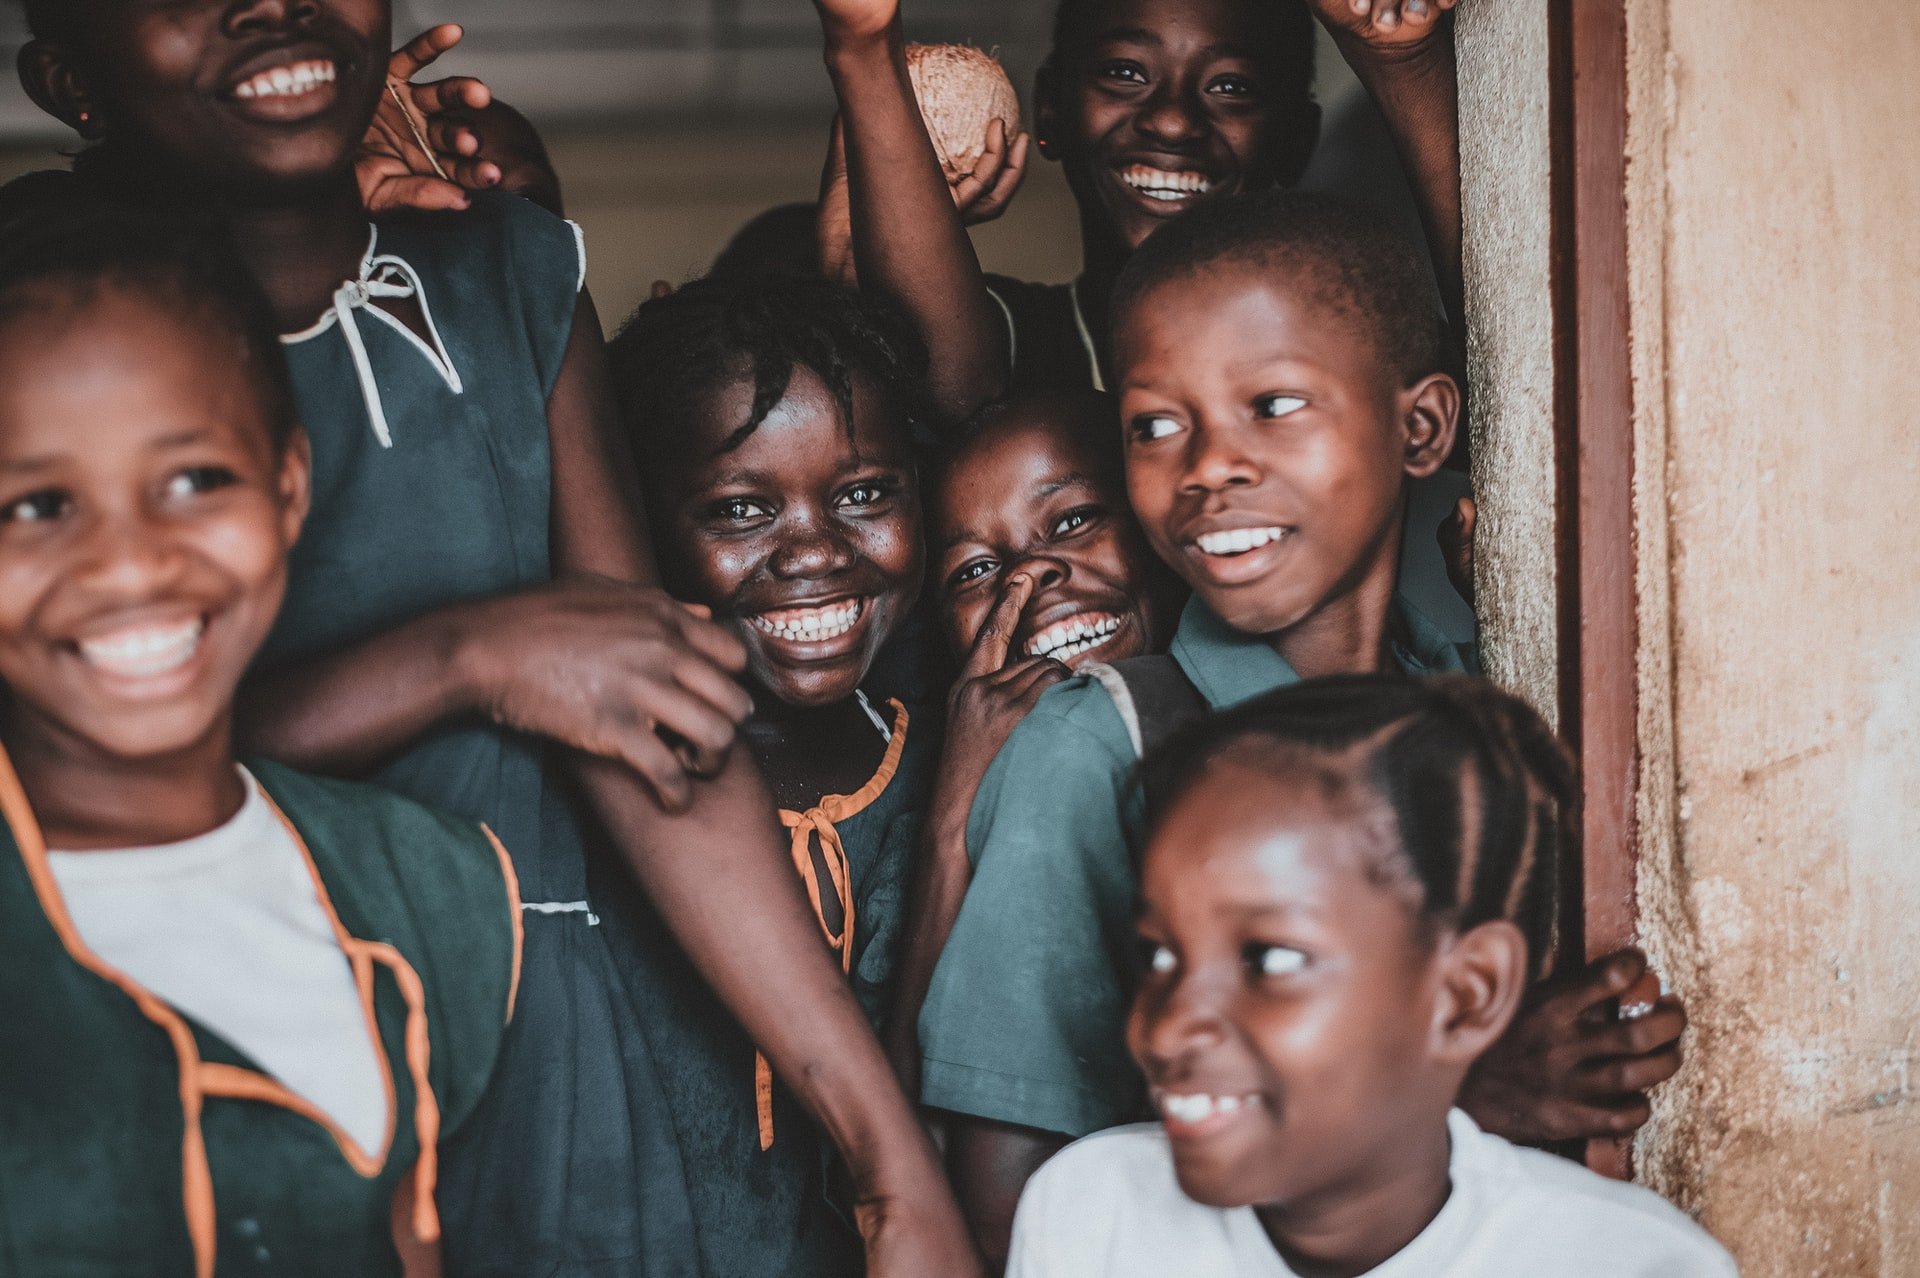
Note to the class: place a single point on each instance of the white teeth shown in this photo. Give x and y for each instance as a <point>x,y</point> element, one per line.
<point>1165,184</point>
<point>144,652</point>
<point>1065,640</point>
<point>810,625</point>
<point>290,81</point>
<point>1198,1108</point>
<point>1238,541</point>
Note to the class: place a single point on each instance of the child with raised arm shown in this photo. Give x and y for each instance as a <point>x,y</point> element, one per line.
<point>245,1005</point>
<point>1345,891</point>
<point>1280,386</point>
<point>471,619</point>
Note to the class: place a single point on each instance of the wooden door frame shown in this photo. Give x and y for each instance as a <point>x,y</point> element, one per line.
<point>1593,431</point>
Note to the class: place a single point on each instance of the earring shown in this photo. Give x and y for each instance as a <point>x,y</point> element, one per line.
<point>86,117</point>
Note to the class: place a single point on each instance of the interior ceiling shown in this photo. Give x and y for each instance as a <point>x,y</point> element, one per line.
<point>636,61</point>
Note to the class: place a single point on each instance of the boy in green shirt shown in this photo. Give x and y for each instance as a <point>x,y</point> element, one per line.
<point>1278,367</point>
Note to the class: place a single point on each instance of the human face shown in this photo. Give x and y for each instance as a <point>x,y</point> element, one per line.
<point>1287,1018</point>
<point>1034,494</point>
<point>243,95</point>
<point>1268,443</point>
<point>145,520</point>
<point>1168,104</point>
<point>807,542</point>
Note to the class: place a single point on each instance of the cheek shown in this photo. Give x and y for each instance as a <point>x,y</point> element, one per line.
<point>894,547</point>
<point>964,616</point>
<point>709,569</point>
<point>25,583</point>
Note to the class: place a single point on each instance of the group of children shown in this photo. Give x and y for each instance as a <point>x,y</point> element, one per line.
<point>744,797</point>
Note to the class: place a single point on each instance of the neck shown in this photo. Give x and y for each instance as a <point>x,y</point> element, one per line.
<point>301,251</point>
<point>1102,257</point>
<point>776,723</point>
<point>84,798</point>
<point>1348,633</point>
<point>1354,1227</point>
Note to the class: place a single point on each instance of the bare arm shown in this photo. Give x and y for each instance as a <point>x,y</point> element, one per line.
<point>719,873</point>
<point>909,241</point>
<point>990,1164</point>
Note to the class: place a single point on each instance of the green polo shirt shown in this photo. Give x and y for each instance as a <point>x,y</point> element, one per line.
<point>1025,1021</point>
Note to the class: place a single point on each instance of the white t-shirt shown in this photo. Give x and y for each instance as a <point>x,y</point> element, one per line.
<point>1109,1206</point>
<point>228,929</point>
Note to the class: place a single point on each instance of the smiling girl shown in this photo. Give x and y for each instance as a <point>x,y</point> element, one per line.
<point>471,620</point>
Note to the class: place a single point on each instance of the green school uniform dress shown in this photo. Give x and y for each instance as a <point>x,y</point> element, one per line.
<point>759,1171</point>
<point>432,485</point>
<point>1050,347</point>
<point>1025,1021</point>
<point>135,1143</point>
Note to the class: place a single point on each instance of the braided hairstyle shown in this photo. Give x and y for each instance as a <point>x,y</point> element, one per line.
<point>1485,799</point>
<point>62,240</point>
<point>675,350</point>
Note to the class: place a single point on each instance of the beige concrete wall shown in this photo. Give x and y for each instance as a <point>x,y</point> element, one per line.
<point>1774,184</point>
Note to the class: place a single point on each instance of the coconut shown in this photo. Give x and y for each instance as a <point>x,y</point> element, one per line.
<point>961,90</point>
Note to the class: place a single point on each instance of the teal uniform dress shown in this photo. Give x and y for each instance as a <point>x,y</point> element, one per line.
<point>431,485</point>
<point>779,1208</point>
<point>136,1143</point>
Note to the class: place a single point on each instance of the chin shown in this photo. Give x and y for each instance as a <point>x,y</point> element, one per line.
<point>153,734</point>
<point>1221,1185</point>
<point>812,689</point>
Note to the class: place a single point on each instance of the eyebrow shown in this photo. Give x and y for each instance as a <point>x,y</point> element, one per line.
<point>1141,35</point>
<point>30,465</point>
<point>1060,485</point>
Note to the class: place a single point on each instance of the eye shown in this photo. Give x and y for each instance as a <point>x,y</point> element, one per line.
<point>971,571</point>
<point>196,480</point>
<point>1121,72</point>
<point>1160,959</point>
<point>1233,86</point>
<point>1076,519</point>
<point>37,508</point>
<point>1148,427</point>
<point>738,510</point>
<point>1273,960</point>
<point>1270,406</point>
<point>866,493</point>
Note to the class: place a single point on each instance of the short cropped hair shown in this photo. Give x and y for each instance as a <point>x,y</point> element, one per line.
<point>1358,264</point>
<point>1485,800</point>
<point>62,237</point>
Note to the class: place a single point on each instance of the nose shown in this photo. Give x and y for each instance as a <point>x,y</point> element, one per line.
<point>1046,571</point>
<point>810,549</point>
<point>126,558</point>
<point>1216,461</point>
<point>1171,117</point>
<point>247,16</point>
<point>1178,1022</point>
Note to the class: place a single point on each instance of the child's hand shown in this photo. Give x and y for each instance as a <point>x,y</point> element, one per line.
<point>1569,1068</point>
<point>856,19</point>
<point>619,671</point>
<point>1384,26</point>
<point>984,193</point>
<point>416,155</point>
<point>1456,544</point>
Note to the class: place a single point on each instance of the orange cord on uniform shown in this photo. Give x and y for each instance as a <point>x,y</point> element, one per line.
<point>817,824</point>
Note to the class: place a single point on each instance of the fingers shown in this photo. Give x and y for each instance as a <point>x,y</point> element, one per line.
<point>1630,1074</point>
<point>1031,682</point>
<point>472,173</point>
<point>714,642</point>
<point>995,200</point>
<point>691,718</point>
<point>665,773</point>
<point>422,194</point>
<point>716,687</point>
<point>989,652</point>
<point>421,51</point>
<point>1586,993</point>
<point>456,93</point>
<point>661,288</point>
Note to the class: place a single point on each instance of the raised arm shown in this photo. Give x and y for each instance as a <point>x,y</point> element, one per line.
<point>720,875</point>
<point>910,244</point>
<point>1402,51</point>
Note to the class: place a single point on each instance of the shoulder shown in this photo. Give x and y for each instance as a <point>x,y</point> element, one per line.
<point>1111,1203</point>
<point>1119,1165</point>
<point>1079,707</point>
<point>1070,754</point>
<point>1538,1202</point>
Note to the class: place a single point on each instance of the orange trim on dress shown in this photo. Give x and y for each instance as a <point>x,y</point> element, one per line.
<point>513,913</point>
<point>817,823</point>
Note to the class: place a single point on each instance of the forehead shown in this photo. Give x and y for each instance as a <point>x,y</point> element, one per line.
<point>1018,461</point>
<point>804,431</point>
<point>98,368</point>
<point>1232,25</point>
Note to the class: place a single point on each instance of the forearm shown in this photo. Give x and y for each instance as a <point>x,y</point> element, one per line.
<point>990,1164</point>
<point>909,241</point>
<point>933,903</point>
<point>1418,93</point>
<point>348,712</point>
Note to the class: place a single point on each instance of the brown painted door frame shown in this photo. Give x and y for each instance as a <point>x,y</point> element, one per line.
<point>1593,395</point>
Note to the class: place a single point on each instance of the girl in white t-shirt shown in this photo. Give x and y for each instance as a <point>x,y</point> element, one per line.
<point>1347,889</point>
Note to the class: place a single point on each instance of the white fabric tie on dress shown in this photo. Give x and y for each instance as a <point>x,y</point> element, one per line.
<point>386,276</point>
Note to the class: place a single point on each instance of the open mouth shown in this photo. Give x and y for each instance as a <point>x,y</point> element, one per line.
<point>297,89</point>
<point>1076,636</point>
<point>1232,542</point>
<point>288,81</point>
<point>819,624</point>
<point>1189,1114</point>
<point>143,652</point>
<point>1166,186</point>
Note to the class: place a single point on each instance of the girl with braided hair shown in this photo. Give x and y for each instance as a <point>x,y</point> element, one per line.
<point>770,419</point>
<point>1347,888</point>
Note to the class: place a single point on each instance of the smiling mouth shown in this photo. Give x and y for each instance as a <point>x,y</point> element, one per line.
<point>1167,186</point>
<point>295,80</point>
<point>1194,1113</point>
<point>1064,641</point>
<point>821,624</point>
<point>143,652</point>
<point>1233,542</point>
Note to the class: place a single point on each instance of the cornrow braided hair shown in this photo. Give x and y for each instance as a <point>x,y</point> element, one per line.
<point>676,349</point>
<point>1485,799</point>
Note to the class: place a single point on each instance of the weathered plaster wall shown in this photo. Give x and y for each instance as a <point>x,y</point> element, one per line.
<point>1774,187</point>
<point>1507,206</point>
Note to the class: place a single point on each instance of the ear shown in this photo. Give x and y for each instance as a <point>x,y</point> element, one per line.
<point>1046,111</point>
<point>296,483</point>
<point>1430,416</point>
<point>1482,978</point>
<point>47,74</point>
<point>1298,138</point>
